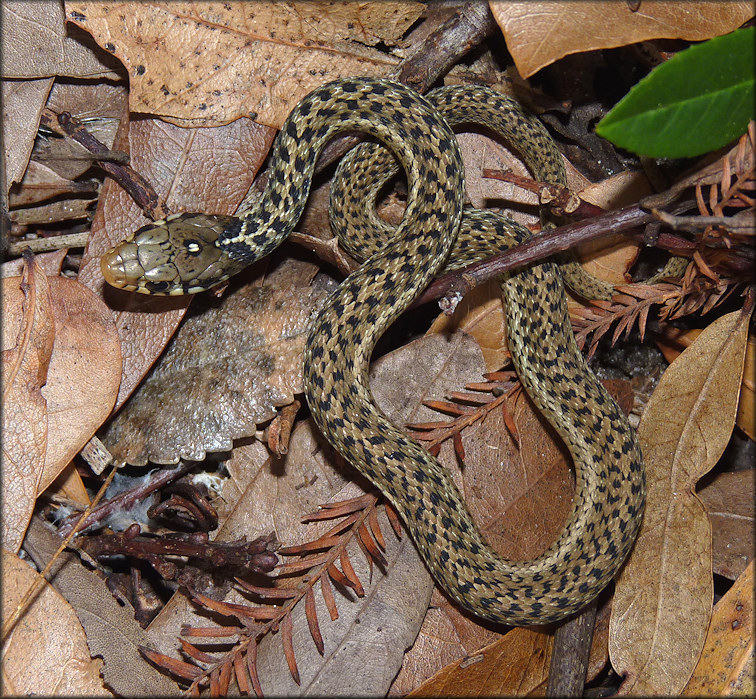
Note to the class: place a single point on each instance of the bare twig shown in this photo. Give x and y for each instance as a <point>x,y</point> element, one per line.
<point>537,248</point>
<point>136,185</point>
<point>569,657</point>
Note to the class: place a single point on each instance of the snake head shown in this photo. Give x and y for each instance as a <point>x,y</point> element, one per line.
<point>179,255</point>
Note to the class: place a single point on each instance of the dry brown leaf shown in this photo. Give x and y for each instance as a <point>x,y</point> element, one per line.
<point>86,358</point>
<point>112,633</point>
<point>37,44</point>
<point>512,666</point>
<point>730,502</point>
<point>23,101</point>
<point>684,430</point>
<point>27,351</point>
<point>211,63</point>
<point>447,636</point>
<point>520,496</point>
<point>746,419</point>
<point>87,355</point>
<point>726,666</point>
<point>46,652</point>
<point>196,170</point>
<point>677,341</point>
<point>539,33</point>
<point>231,364</point>
<point>610,258</point>
<point>480,314</point>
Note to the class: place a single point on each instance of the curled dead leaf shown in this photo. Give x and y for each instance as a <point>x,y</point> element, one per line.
<point>27,351</point>
<point>684,430</point>
<point>65,667</point>
<point>539,33</point>
<point>229,367</point>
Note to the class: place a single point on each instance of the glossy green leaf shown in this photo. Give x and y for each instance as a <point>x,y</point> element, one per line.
<point>698,101</point>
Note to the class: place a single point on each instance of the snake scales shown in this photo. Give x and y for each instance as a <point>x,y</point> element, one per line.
<point>192,252</point>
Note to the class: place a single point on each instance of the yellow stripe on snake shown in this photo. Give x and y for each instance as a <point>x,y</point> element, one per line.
<point>192,252</point>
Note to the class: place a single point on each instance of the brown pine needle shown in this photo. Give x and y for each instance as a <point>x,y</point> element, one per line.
<point>312,620</point>
<point>287,633</point>
<point>328,598</point>
<point>348,570</point>
<point>195,652</point>
<point>268,592</point>
<point>174,666</point>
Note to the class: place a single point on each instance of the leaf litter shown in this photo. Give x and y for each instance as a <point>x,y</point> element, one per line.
<point>145,326</point>
<point>231,364</point>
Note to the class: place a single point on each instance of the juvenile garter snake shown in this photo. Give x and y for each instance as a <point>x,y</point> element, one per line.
<point>192,252</point>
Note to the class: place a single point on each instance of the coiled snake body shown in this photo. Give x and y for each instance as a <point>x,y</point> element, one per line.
<point>193,251</point>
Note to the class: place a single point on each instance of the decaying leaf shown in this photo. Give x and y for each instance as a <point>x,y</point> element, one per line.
<point>112,633</point>
<point>514,665</point>
<point>87,354</point>
<point>610,258</point>
<point>730,501</point>
<point>35,44</point>
<point>229,367</point>
<point>46,652</point>
<point>727,662</point>
<point>256,58</point>
<point>685,427</point>
<point>26,360</point>
<point>539,33</point>
<point>23,101</point>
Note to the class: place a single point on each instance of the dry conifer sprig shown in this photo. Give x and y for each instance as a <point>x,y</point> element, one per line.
<point>721,262</point>
<point>315,561</point>
<point>498,389</point>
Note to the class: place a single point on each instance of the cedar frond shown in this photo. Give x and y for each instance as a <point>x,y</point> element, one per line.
<point>468,409</point>
<point>313,561</point>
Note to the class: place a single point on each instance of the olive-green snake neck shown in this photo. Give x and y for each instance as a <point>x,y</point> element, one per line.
<point>193,251</point>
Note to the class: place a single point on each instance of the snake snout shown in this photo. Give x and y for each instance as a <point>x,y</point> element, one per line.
<point>120,266</point>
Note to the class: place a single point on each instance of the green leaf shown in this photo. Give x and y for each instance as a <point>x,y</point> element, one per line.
<point>698,101</point>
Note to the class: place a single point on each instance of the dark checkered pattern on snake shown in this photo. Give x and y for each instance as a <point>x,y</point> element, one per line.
<point>192,252</point>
